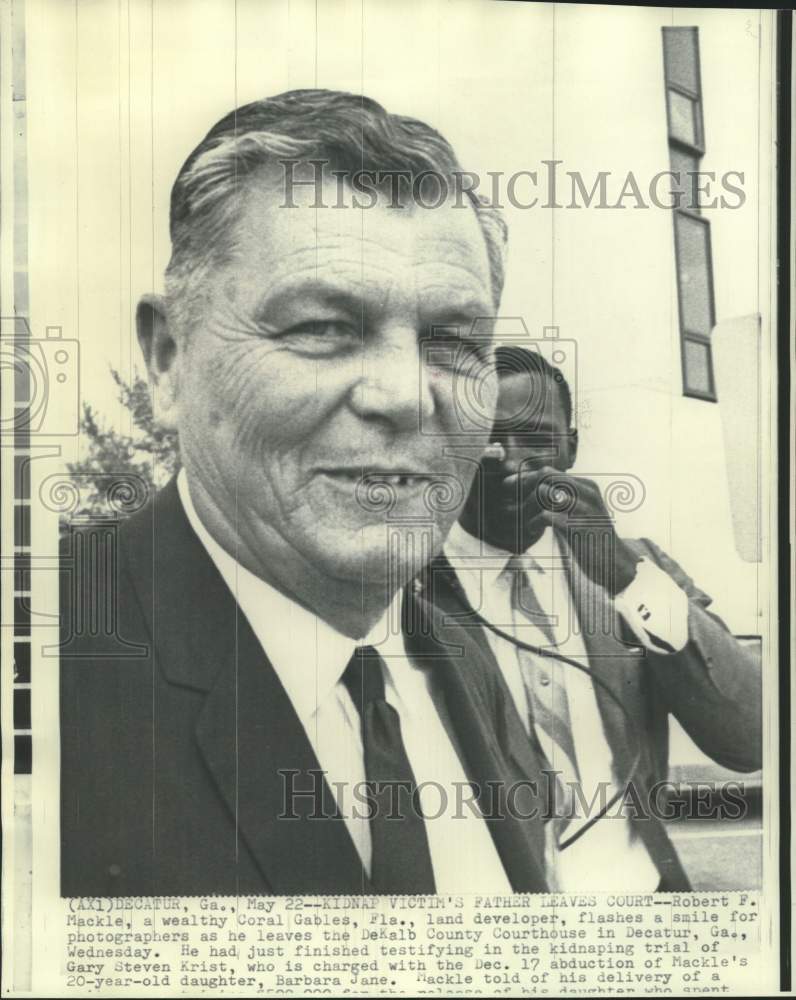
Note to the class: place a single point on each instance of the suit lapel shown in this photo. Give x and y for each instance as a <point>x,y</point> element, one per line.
<point>257,751</point>
<point>482,727</point>
<point>612,663</point>
<point>449,595</point>
<point>247,731</point>
<point>251,738</point>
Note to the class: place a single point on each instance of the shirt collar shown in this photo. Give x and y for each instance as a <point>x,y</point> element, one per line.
<point>308,655</point>
<point>542,551</point>
<point>461,545</point>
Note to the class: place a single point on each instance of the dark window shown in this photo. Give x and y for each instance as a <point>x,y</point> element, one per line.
<point>694,280</point>
<point>691,231</point>
<point>22,708</point>
<point>22,477</point>
<point>23,754</point>
<point>681,58</point>
<point>22,663</point>
<point>22,525</point>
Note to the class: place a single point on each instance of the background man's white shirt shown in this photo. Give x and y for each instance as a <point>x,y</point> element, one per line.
<point>610,856</point>
<point>309,657</point>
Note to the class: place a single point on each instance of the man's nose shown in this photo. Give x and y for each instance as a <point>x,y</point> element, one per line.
<point>395,384</point>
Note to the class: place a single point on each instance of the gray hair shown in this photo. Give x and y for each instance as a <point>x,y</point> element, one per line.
<point>348,132</point>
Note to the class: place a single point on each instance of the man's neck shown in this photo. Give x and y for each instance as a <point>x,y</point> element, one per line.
<point>510,544</point>
<point>515,542</point>
<point>503,545</point>
<point>352,607</point>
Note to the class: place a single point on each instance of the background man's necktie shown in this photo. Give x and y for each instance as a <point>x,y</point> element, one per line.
<point>401,860</point>
<point>547,696</point>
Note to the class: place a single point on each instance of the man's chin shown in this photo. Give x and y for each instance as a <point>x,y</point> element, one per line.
<point>389,560</point>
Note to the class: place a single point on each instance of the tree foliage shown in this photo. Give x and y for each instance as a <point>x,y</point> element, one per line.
<point>143,460</point>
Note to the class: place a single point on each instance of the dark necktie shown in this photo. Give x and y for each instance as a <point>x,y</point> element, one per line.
<point>401,861</point>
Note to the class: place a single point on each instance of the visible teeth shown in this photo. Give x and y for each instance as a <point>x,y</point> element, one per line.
<point>391,479</point>
<point>399,480</point>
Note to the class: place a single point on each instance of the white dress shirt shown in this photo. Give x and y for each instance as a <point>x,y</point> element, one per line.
<point>610,856</point>
<point>309,657</point>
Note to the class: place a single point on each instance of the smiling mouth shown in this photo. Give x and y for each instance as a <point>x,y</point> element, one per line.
<point>372,476</point>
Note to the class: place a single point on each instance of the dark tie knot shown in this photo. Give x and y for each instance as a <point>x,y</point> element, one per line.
<point>364,677</point>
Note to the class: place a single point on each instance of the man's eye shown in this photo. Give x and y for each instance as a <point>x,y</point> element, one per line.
<point>317,328</point>
<point>322,335</point>
<point>474,356</point>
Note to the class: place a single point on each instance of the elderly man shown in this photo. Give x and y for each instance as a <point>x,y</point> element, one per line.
<point>291,718</point>
<point>537,556</point>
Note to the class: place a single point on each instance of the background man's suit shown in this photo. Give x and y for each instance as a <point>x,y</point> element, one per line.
<point>169,760</point>
<point>711,686</point>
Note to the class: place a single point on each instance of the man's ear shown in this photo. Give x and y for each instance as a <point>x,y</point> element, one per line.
<point>160,354</point>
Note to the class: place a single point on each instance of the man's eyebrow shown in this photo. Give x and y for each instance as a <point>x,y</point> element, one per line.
<point>323,290</point>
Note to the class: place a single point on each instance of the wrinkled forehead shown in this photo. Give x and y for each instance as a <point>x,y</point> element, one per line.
<point>334,227</point>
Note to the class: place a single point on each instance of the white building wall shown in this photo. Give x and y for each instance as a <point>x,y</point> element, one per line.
<point>614,273</point>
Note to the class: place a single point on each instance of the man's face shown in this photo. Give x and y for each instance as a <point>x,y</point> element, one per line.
<point>531,424</point>
<point>305,372</point>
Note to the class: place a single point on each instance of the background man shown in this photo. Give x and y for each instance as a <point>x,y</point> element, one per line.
<point>536,554</point>
<point>287,352</point>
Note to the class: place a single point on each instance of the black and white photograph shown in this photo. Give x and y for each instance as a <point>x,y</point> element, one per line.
<point>390,453</point>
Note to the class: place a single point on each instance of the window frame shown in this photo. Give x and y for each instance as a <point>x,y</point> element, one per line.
<point>687,334</point>
<point>696,150</point>
<point>694,95</point>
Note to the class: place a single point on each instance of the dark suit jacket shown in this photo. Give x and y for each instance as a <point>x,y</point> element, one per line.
<point>712,686</point>
<point>174,728</point>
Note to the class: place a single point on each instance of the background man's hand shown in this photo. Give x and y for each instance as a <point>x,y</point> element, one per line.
<point>575,506</point>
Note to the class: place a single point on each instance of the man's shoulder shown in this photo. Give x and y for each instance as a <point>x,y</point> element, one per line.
<point>129,553</point>
<point>111,571</point>
<point>449,631</point>
<point>132,521</point>
<point>438,576</point>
